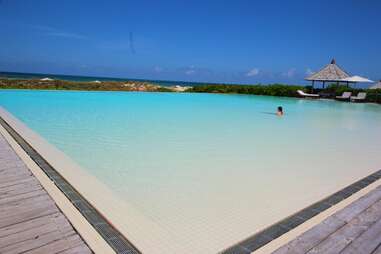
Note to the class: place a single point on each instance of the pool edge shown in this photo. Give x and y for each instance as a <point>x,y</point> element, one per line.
<point>274,236</point>
<point>84,229</point>
<point>143,232</point>
<point>53,183</point>
<point>351,195</point>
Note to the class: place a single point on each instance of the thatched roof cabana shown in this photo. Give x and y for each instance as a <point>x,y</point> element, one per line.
<point>330,73</point>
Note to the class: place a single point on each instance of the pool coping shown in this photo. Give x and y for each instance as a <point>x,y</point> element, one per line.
<point>282,230</point>
<point>317,220</point>
<point>122,215</point>
<point>296,221</point>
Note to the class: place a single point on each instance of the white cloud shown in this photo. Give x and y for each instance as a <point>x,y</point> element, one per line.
<point>51,31</point>
<point>309,71</point>
<point>253,72</point>
<point>290,73</point>
<point>67,35</point>
<point>189,72</point>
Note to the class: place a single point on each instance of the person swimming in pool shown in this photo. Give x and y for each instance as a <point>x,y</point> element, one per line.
<point>280,111</point>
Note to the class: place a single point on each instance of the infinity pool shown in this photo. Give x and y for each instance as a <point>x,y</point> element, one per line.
<point>208,170</point>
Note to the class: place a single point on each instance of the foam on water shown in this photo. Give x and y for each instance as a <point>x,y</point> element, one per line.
<point>209,169</point>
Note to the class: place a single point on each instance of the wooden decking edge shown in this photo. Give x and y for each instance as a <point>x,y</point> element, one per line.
<point>295,232</point>
<point>92,238</point>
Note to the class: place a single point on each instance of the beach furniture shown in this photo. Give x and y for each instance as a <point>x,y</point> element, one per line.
<point>326,95</point>
<point>307,95</point>
<point>359,98</point>
<point>344,97</point>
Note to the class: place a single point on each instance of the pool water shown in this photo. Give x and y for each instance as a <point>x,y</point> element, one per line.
<point>209,169</point>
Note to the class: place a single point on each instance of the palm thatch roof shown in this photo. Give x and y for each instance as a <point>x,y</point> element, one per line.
<point>331,72</point>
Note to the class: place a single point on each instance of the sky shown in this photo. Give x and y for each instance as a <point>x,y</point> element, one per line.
<point>231,41</point>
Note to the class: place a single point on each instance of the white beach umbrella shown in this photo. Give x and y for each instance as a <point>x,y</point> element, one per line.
<point>376,86</point>
<point>357,79</point>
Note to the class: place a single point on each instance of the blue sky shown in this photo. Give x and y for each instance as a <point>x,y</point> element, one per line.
<point>213,41</point>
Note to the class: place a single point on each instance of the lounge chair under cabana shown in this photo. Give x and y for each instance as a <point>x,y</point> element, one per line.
<point>359,98</point>
<point>344,97</point>
<point>307,95</point>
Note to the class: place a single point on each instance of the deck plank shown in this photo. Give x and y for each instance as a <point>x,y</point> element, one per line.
<point>21,197</point>
<point>21,185</point>
<point>31,244</point>
<point>38,222</point>
<point>30,221</point>
<point>312,237</point>
<point>337,241</point>
<point>378,250</point>
<point>78,249</point>
<point>32,233</point>
<point>367,242</point>
<point>13,183</point>
<point>20,189</point>
<point>346,231</point>
<point>355,208</point>
<point>30,214</point>
<point>58,246</point>
<point>21,208</point>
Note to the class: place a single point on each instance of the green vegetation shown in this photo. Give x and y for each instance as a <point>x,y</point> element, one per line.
<point>87,86</point>
<point>272,90</point>
<point>373,95</point>
<point>334,90</point>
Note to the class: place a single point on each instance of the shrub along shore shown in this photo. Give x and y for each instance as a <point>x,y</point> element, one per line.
<point>373,95</point>
<point>82,86</point>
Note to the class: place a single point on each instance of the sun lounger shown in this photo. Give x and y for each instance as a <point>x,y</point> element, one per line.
<point>344,97</point>
<point>360,97</point>
<point>307,95</point>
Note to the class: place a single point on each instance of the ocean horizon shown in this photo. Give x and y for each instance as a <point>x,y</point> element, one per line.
<point>79,78</point>
<point>167,83</point>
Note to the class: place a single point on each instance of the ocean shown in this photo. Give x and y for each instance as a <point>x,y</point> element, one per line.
<point>22,75</point>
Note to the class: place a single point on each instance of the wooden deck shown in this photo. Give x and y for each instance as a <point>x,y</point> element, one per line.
<point>356,229</point>
<point>30,221</point>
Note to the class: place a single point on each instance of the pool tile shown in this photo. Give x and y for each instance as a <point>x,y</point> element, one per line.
<point>256,242</point>
<point>292,222</point>
<point>275,231</point>
<point>237,250</point>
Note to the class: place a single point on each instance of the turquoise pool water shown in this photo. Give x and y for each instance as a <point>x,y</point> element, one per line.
<point>210,169</point>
